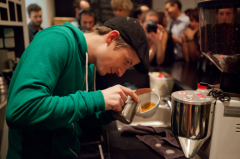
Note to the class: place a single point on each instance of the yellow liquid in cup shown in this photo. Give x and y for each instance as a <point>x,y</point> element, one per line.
<point>145,107</point>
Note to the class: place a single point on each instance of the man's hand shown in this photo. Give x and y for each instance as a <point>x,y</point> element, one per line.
<point>156,37</point>
<point>116,96</point>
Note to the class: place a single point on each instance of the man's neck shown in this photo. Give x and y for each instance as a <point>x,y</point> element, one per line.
<point>177,15</point>
<point>93,44</point>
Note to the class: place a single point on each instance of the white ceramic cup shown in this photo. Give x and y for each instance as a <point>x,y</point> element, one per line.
<point>149,97</point>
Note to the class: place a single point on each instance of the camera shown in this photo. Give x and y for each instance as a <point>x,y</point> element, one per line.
<point>151,26</point>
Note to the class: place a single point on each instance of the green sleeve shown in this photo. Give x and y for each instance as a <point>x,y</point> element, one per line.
<point>31,104</point>
<point>98,118</point>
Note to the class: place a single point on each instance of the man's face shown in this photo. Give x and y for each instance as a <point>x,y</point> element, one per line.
<point>119,12</point>
<point>87,21</point>
<point>110,60</point>
<point>171,10</point>
<point>225,15</point>
<point>153,17</point>
<point>36,18</point>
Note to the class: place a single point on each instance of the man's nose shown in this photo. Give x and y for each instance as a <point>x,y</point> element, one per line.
<point>88,26</point>
<point>121,71</point>
<point>225,16</point>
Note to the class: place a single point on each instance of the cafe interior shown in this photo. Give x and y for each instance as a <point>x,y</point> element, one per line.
<point>186,104</point>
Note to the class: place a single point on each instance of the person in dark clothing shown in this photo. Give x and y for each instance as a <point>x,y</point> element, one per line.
<point>35,15</point>
<point>156,40</point>
<point>191,38</point>
<point>167,42</point>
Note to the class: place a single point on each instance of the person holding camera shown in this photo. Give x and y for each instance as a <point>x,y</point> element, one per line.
<point>157,37</point>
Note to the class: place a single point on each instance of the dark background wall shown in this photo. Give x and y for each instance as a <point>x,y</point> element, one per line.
<point>102,8</point>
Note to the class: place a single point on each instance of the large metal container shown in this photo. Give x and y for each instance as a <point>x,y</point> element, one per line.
<point>192,114</point>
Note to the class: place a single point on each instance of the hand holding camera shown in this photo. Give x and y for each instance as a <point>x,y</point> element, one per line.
<point>155,31</point>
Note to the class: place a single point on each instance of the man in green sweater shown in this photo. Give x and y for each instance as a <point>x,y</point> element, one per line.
<point>53,87</point>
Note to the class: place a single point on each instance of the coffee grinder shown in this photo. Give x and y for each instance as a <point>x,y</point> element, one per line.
<point>207,124</point>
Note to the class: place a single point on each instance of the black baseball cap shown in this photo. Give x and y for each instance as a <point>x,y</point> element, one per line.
<point>133,34</point>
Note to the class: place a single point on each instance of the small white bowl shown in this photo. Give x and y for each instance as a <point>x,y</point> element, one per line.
<point>149,97</point>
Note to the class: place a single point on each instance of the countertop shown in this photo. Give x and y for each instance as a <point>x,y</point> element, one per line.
<point>190,74</point>
<point>186,76</point>
<point>128,147</point>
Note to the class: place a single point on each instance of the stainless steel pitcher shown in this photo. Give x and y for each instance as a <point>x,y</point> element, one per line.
<point>129,110</point>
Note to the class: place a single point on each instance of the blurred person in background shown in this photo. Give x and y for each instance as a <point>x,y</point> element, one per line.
<point>86,20</point>
<point>121,8</point>
<point>225,15</point>
<point>139,10</point>
<point>35,16</point>
<point>156,40</point>
<point>167,42</point>
<point>179,23</point>
<point>163,19</point>
<point>78,5</point>
<point>187,11</point>
<point>191,37</point>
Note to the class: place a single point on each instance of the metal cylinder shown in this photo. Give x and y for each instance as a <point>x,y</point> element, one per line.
<point>127,114</point>
<point>192,114</point>
<point>190,121</point>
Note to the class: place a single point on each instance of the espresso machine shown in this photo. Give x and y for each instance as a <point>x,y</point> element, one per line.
<point>206,123</point>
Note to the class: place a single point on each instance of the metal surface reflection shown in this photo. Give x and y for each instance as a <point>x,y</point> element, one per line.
<point>191,120</point>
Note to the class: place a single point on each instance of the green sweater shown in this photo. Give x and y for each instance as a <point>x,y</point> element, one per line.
<point>47,98</point>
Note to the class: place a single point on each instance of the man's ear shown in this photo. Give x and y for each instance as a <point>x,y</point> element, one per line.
<point>112,36</point>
